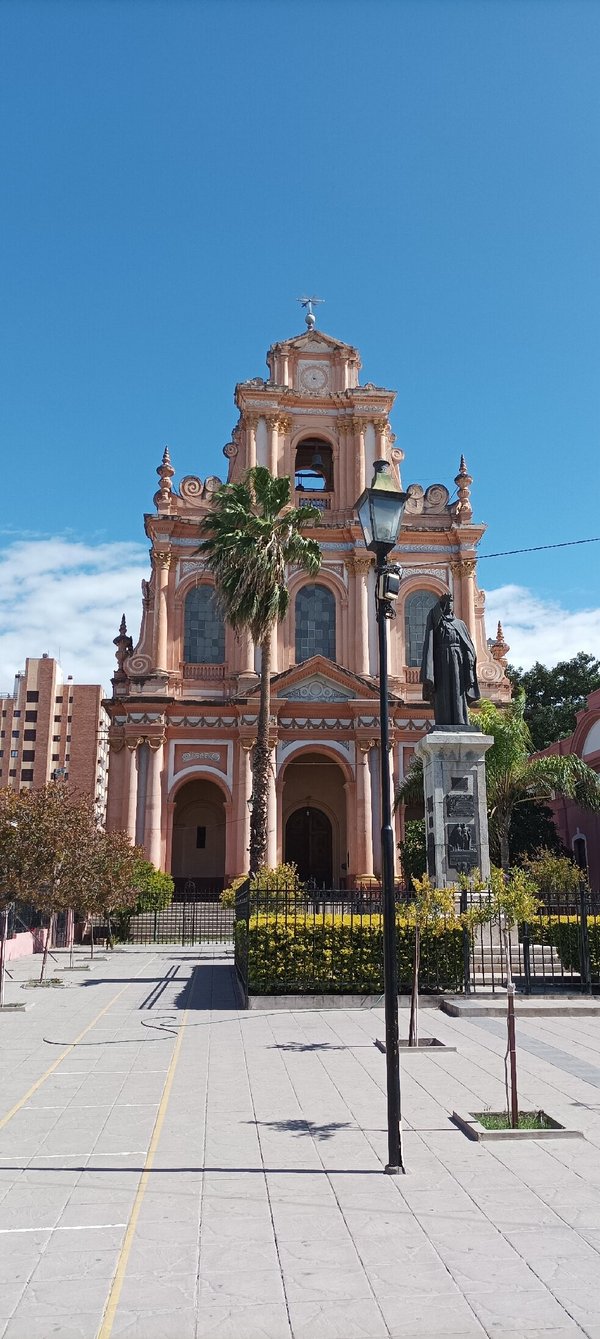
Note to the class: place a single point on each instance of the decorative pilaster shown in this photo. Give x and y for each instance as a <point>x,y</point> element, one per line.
<point>364,810</point>
<point>162,563</point>
<point>381,430</point>
<point>273,443</point>
<point>244,794</point>
<point>153,817</point>
<point>358,425</point>
<point>359,565</point>
<point>132,788</point>
<point>464,569</point>
<point>272,817</point>
<point>251,421</point>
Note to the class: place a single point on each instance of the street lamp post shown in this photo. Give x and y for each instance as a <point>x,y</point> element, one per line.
<point>380,510</point>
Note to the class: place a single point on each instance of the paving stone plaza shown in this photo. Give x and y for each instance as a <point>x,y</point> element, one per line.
<point>172,1167</point>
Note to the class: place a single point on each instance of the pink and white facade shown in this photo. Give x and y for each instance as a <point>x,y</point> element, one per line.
<point>185,697</point>
<point>579,829</point>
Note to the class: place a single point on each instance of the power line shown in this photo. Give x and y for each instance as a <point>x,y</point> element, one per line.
<point>537,548</point>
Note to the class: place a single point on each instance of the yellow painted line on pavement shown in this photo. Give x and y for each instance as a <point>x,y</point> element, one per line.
<point>119,1277</point>
<point>67,1051</point>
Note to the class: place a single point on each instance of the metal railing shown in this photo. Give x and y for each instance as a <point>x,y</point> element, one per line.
<point>331,942</point>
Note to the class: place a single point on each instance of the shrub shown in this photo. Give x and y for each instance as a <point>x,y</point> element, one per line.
<point>563,934</point>
<point>344,954</point>
<point>553,873</point>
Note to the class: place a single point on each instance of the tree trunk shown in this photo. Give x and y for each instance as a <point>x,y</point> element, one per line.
<point>504,847</point>
<point>259,818</point>
<point>49,936</point>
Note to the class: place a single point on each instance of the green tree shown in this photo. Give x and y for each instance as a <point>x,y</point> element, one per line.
<point>253,536</point>
<point>413,855</point>
<point>152,890</point>
<point>513,776</point>
<point>554,696</point>
<point>55,827</point>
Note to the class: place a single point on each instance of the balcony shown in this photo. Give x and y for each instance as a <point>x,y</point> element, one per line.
<point>191,671</point>
<point>323,501</point>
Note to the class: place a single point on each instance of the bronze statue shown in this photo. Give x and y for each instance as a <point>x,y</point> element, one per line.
<point>449,665</point>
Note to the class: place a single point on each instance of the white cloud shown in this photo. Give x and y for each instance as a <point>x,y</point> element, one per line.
<point>538,629</point>
<point>66,598</point>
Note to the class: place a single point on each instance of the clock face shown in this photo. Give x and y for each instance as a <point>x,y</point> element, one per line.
<point>314,377</point>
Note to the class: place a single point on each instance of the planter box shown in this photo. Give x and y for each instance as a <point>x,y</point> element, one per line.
<point>473,1128</point>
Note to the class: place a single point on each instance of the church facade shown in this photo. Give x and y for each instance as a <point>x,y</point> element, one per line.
<point>185,697</point>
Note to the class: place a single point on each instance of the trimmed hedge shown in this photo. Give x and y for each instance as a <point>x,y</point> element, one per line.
<point>329,954</point>
<point>562,932</point>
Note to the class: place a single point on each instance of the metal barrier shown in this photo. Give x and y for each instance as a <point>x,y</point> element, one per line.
<point>197,922</point>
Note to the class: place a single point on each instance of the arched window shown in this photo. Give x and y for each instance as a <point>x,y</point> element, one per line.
<point>204,629</point>
<point>314,466</point>
<point>416,610</point>
<point>315,623</point>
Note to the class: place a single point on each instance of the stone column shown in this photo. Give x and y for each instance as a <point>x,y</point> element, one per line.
<point>245,652</point>
<point>132,788</point>
<point>465,570</point>
<point>360,565</point>
<point>244,794</point>
<point>117,783</point>
<point>360,466</point>
<point>162,563</point>
<point>153,827</point>
<point>364,810</point>
<point>381,434</point>
<point>251,426</point>
<point>273,444</point>
<point>272,855</point>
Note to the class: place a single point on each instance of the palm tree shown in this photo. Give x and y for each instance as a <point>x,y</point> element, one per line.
<point>512,775</point>
<point>253,535</point>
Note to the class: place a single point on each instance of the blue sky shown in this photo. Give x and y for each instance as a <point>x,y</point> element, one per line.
<point>176,174</point>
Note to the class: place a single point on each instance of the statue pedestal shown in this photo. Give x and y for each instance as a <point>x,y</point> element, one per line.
<point>456,827</point>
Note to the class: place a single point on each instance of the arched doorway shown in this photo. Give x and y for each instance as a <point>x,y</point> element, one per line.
<point>313,810</point>
<point>198,848</point>
<point>309,845</point>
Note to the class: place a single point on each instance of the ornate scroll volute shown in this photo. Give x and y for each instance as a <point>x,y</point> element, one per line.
<point>163,500</point>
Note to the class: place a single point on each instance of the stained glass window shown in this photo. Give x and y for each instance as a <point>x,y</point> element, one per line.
<point>416,609</point>
<point>204,629</point>
<point>315,623</point>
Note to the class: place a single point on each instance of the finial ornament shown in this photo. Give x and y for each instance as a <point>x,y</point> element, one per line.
<point>499,648</point>
<point>165,473</point>
<point>124,645</point>
<point>307,304</point>
<point>463,483</point>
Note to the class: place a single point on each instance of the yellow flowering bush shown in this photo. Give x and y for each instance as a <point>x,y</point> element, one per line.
<point>325,953</point>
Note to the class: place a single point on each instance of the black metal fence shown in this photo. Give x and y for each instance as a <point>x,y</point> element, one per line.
<point>196,922</point>
<point>332,942</point>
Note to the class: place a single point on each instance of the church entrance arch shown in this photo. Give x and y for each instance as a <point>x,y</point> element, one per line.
<point>198,849</point>
<point>314,819</point>
<point>309,845</point>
